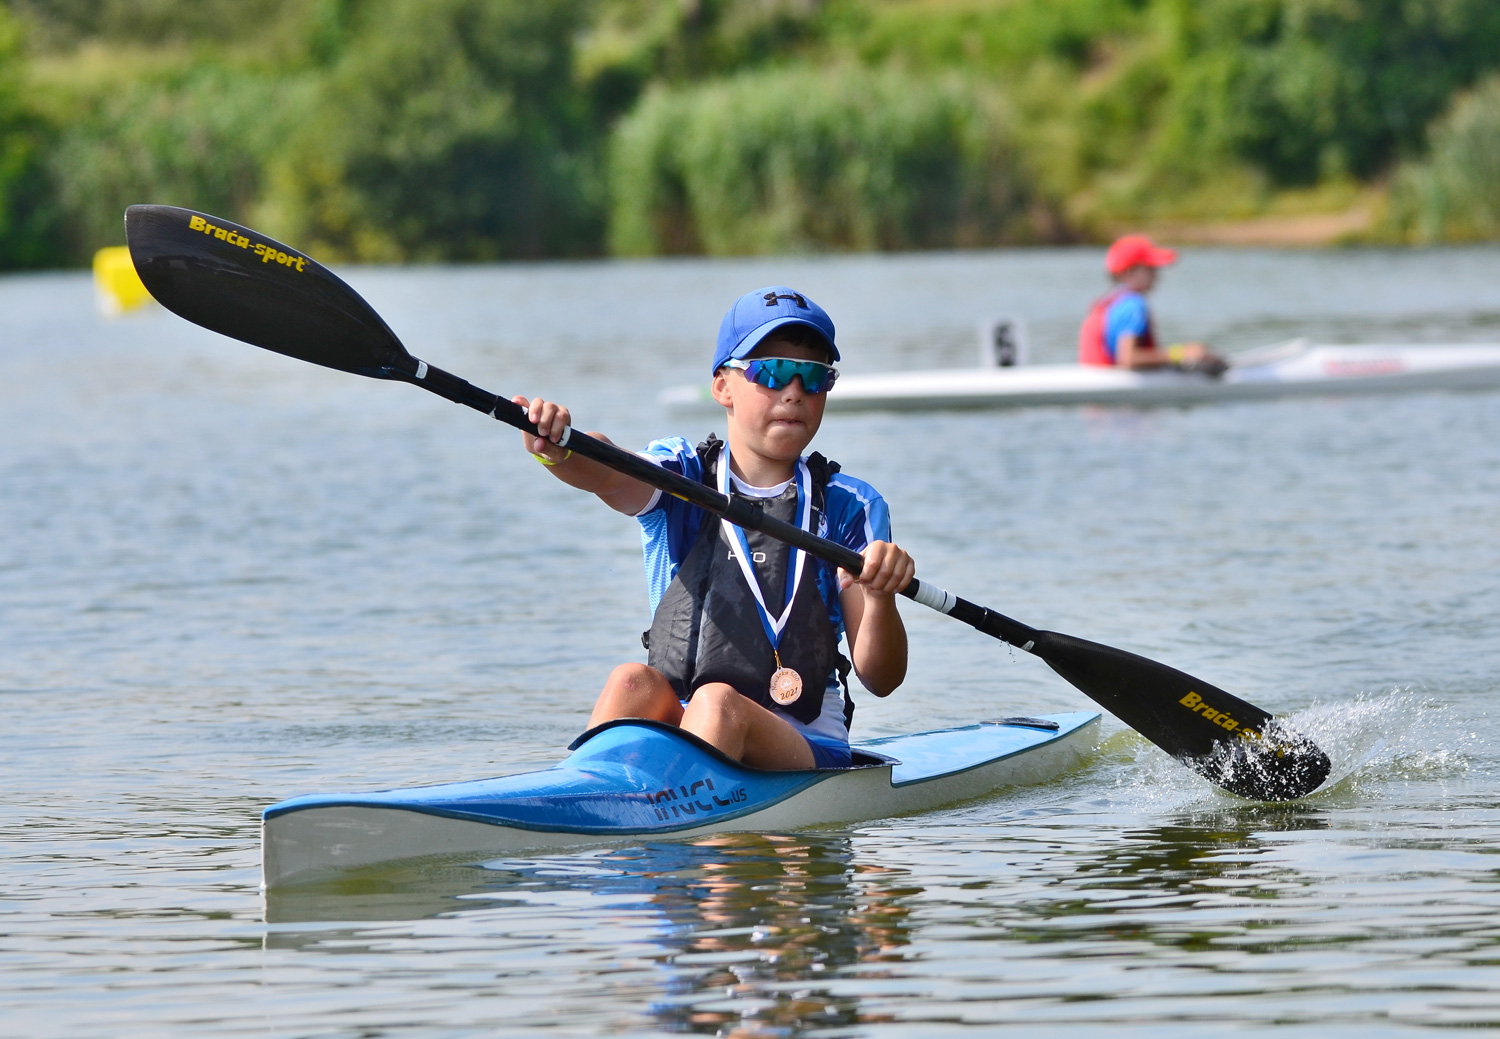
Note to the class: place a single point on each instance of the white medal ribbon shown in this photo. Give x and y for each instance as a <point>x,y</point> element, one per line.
<point>740,547</point>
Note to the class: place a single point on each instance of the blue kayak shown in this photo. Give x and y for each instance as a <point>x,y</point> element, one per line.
<point>635,779</point>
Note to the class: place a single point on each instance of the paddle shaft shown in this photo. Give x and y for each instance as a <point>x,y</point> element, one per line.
<point>736,511</point>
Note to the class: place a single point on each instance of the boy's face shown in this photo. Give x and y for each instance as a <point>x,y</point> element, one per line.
<point>776,424</point>
<point>1139,278</point>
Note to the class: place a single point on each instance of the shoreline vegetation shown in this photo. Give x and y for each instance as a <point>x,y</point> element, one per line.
<point>478,130</point>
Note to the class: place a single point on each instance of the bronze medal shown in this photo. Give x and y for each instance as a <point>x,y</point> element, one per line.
<point>786,686</point>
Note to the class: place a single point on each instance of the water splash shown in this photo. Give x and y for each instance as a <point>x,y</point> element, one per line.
<point>1371,739</point>
<point>1400,734</point>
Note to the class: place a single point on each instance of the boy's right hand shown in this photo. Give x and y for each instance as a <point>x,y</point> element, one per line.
<point>620,492</point>
<point>551,420</point>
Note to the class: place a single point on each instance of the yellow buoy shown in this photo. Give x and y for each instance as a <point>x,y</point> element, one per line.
<point>117,286</point>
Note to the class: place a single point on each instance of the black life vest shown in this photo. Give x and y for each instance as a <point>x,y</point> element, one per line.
<point>707,626</point>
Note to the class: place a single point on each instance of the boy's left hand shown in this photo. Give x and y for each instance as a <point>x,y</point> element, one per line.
<point>887,570</point>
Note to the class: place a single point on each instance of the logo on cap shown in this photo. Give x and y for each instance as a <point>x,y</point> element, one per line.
<point>796,297</point>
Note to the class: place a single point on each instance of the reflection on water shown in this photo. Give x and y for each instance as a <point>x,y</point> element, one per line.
<point>751,930</point>
<point>1194,847</point>
<point>748,935</point>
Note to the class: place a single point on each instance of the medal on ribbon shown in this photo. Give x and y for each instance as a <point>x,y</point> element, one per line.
<point>786,684</point>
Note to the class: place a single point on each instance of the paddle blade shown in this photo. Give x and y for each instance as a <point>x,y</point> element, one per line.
<point>1227,741</point>
<point>240,283</point>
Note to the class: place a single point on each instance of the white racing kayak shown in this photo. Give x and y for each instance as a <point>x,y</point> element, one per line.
<point>633,780</point>
<point>1298,368</point>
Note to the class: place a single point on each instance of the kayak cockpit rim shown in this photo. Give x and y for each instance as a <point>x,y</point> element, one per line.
<point>861,758</point>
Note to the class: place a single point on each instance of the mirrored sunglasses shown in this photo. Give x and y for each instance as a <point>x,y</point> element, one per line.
<point>775,372</point>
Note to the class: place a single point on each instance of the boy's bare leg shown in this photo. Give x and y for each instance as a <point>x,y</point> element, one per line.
<point>744,730</point>
<point>636,691</point>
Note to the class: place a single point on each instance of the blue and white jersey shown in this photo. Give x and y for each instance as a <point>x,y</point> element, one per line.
<point>854,515</point>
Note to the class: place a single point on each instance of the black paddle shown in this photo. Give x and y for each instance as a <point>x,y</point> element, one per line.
<point>242,284</point>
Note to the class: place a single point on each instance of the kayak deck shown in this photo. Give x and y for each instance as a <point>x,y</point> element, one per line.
<point>1293,369</point>
<point>634,778</point>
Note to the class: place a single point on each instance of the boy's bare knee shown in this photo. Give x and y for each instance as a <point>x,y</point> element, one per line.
<point>636,691</point>
<point>634,678</point>
<point>717,698</point>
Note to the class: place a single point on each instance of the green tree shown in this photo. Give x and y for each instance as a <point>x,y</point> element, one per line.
<point>199,139</point>
<point>30,220</point>
<point>1454,192</point>
<point>66,23</point>
<point>630,43</point>
<point>1309,88</point>
<point>446,129</point>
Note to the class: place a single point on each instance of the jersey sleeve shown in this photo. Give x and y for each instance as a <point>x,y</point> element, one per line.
<point>1126,316</point>
<point>857,514</point>
<point>675,455</point>
<point>668,524</point>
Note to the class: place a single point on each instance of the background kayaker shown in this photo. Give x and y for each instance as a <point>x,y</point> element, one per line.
<point>744,643</point>
<point>1118,328</point>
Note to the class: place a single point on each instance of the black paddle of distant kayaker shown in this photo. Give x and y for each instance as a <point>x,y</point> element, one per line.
<point>242,284</point>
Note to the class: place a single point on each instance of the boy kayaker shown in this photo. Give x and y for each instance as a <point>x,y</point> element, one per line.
<point>1118,329</point>
<point>744,639</point>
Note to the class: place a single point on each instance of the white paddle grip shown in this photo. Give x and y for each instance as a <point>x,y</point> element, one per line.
<point>933,597</point>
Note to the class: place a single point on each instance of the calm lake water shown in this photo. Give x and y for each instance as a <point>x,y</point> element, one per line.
<point>227,578</point>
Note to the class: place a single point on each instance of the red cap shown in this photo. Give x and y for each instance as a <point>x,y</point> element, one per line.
<point>1136,249</point>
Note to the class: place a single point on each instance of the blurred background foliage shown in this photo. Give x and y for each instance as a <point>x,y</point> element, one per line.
<point>1453,193</point>
<point>487,129</point>
<point>806,158</point>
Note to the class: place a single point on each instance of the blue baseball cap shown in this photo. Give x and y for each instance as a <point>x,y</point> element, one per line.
<point>757,314</point>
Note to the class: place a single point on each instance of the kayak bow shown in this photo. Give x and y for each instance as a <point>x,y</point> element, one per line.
<point>634,779</point>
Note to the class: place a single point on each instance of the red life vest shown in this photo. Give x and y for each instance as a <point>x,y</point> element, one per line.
<point>1093,348</point>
